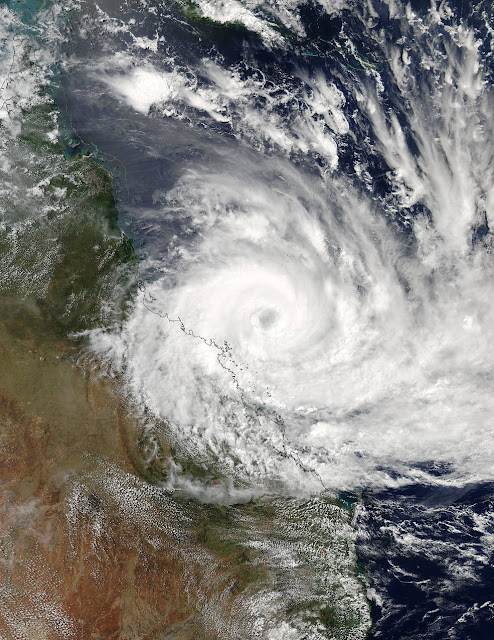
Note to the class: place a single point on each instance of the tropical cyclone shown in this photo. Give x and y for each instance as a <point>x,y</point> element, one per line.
<point>289,304</point>
<point>301,311</point>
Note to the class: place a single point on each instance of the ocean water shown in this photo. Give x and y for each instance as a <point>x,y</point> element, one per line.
<point>309,189</point>
<point>428,553</point>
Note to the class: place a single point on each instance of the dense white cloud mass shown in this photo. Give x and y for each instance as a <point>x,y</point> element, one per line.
<point>296,335</point>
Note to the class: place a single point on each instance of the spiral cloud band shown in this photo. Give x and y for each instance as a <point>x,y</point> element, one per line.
<point>289,305</point>
<point>296,333</point>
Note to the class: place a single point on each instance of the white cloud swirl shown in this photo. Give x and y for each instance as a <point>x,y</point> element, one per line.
<point>296,335</point>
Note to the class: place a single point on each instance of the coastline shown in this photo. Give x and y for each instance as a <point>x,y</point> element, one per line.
<point>90,543</point>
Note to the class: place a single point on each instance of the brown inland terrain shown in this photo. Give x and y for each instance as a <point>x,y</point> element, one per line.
<point>87,550</point>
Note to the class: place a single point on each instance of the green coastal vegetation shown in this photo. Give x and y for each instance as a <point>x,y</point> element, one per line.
<point>62,250</point>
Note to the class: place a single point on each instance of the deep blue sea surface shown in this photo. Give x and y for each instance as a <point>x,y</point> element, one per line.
<point>428,552</point>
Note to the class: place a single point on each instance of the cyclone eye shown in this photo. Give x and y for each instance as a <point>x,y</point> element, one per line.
<point>264,319</point>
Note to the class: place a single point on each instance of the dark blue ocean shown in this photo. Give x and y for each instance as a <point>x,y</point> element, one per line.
<point>428,553</point>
